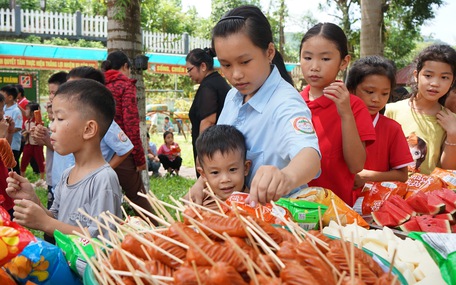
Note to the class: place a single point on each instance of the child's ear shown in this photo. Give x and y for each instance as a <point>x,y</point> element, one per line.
<point>248,164</point>
<point>344,63</point>
<point>201,172</point>
<point>415,75</point>
<point>90,130</point>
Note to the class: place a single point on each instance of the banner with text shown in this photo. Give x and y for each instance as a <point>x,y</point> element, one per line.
<point>168,68</point>
<point>43,63</point>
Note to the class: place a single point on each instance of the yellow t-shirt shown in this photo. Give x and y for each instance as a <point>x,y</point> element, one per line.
<point>424,135</point>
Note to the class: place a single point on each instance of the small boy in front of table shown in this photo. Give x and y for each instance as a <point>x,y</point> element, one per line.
<point>83,111</point>
<point>221,152</point>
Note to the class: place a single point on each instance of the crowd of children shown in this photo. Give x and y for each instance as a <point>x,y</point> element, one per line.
<point>270,140</point>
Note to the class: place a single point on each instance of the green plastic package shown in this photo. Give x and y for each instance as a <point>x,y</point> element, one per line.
<point>73,255</point>
<point>305,213</point>
<point>442,248</point>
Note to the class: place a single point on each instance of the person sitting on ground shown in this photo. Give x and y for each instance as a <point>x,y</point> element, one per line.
<point>153,162</point>
<point>168,125</point>
<point>222,160</point>
<point>169,154</point>
<point>83,111</point>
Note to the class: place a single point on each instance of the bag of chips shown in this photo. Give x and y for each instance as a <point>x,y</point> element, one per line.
<point>42,263</point>
<point>447,176</point>
<point>325,196</point>
<point>375,193</point>
<point>424,183</point>
<point>264,212</point>
<point>306,214</point>
<point>13,237</point>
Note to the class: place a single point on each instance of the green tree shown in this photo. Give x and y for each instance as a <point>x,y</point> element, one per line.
<point>220,7</point>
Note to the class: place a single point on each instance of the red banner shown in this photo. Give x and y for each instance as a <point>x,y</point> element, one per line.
<point>43,63</point>
<point>168,68</point>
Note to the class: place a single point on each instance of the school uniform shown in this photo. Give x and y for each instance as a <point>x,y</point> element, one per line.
<point>115,141</point>
<point>335,174</point>
<point>276,123</point>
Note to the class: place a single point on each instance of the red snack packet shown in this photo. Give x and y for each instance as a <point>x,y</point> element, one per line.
<point>175,149</point>
<point>263,212</point>
<point>379,192</point>
<point>13,238</point>
<point>38,119</point>
<point>422,182</point>
<point>447,176</point>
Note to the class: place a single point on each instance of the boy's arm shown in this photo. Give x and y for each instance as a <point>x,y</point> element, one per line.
<point>365,175</point>
<point>29,214</point>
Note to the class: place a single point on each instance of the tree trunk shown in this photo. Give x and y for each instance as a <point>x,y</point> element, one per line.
<point>371,27</point>
<point>124,33</point>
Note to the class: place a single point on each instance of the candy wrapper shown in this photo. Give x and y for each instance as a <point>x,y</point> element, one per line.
<point>375,193</point>
<point>265,212</point>
<point>42,263</point>
<point>325,196</point>
<point>175,149</point>
<point>13,237</point>
<point>305,213</point>
<point>74,257</point>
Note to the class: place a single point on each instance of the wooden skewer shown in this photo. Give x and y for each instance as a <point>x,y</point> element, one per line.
<point>266,248</point>
<point>195,269</point>
<point>216,200</point>
<point>320,218</point>
<point>202,207</point>
<point>171,240</point>
<point>179,204</point>
<point>336,212</point>
<point>192,243</point>
<point>390,270</point>
<point>352,261</point>
<point>140,209</point>
<point>199,224</point>
<point>142,274</point>
<point>153,199</point>
<point>201,232</point>
<point>212,194</point>
<point>341,279</point>
<point>246,259</point>
<point>254,226</point>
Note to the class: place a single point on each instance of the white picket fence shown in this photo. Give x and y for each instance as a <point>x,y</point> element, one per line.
<point>85,26</point>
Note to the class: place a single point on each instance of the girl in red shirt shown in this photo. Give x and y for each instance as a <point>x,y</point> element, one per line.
<point>372,79</point>
<point>169,154</point>
<point>341,120</point>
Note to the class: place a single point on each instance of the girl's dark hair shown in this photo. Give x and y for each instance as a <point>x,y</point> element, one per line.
<point>33,106</point>
<point>87,72</point>
<point>370,65</point>
<point>115,60</point>
<point>331,32</point>
<point>278,61</point>
<point>167,133</point>
<point>223,138</point>
<point>197,56</point>
<point>248,19</point>
<point>2,99</point>
<point>440,53</point>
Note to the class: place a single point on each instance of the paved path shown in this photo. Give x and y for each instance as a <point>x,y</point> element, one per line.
<point>186,172</point>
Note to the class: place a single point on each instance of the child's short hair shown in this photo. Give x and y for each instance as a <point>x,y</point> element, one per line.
<point>167,133</point>
<point>371,65</point>
<point>87,72</point>
<point>92,98</point>
<point>10,90</point>
<point>20,89</point>
<point>58,78</point>
<point>223,138</point>
<point>33,106</point>
<point>2,99</point>
<point>167,118</point>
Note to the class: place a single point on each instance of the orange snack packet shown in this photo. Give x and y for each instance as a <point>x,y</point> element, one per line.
<point>13,238</point>
<point>422,182</point>
<point>38,119</point>
<point>263,212</point>
<point>447,176</point>
<point>379,192</point>
<point>325,196</point>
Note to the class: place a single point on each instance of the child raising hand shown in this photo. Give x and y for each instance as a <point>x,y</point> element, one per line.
<point>342,122</point>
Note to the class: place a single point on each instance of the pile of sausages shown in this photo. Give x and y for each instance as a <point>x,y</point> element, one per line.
<point>202,257</point>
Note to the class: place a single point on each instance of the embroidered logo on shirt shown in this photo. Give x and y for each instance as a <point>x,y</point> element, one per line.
<point>302,125</point>
<point>122,137</point>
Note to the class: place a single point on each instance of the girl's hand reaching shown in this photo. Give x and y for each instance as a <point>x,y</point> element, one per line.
<point>338,93</point>
<point>269,183</point>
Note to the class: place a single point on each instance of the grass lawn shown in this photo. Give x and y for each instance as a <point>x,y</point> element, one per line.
<point>175,186</point>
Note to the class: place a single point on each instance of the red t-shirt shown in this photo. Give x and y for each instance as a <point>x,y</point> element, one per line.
<point>8,203</point>
<point>390,150</point>
<point>335,174</point>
